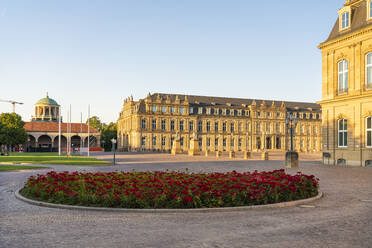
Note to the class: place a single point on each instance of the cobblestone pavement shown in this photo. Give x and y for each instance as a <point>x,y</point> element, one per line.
<point>343,218</point>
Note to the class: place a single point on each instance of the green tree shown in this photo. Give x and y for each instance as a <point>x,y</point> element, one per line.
<point>95,122</point>
<point>107,134</point>
<point>11,130</point>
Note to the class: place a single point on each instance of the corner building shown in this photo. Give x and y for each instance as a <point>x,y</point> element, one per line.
<point>220,124</point>
<point>347,87</point>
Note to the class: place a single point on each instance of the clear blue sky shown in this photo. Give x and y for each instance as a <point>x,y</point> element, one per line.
<point>99,52</point>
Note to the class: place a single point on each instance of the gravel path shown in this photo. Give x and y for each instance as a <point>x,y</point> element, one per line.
<point>343,218</point>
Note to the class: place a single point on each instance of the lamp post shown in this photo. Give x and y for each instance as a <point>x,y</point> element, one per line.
<point>291,157</point>
<point>291,123</point>
<point>113,147</point>
<point>103,144</point>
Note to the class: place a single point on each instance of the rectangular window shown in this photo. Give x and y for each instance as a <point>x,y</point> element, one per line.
<point>369,70</point>
<point>181,125</point>
<point>173,109</point>
<point>224,142</point>
<point>258,113</point>
<point>370,9</point>
<point>216,142</point>
<point>181,141</point>
<point>191,110</point>
<point>208,111</point>
<point>258,128</point>
<point>232,127</point>
<point>208,126</point>
<point>216,126</point>
<point>153,124</point>
<point>163,139</point>
<point>240,142</point>
<point>200,126</point>
<point>208,142</point>
<point>224,126</point>
<point>172,125</point>
<point>369,132</point>
<point>163,125</point>
<point>154,141</point>
<point>143,141</point>
<point>200,142</point>
<point>153,108</point>
<point>343,75</point>
<point>200,111</point>
<point>163,109</point>
<point>143,124</point>
<point>191,126</point>
<point>345,20</point>
<point>182,110</point>
<point>232,143</point>
<point>342,133</point>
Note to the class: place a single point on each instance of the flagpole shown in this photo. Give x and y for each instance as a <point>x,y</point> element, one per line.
<point>59,131</point>
<point>88,129</point>
<point>81,131</point>
<point>69,145</point>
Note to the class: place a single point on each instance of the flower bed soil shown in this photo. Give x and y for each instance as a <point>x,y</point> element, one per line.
<point>159,190</point>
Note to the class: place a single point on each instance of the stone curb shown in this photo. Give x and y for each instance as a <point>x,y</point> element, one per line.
<point>195,210</point>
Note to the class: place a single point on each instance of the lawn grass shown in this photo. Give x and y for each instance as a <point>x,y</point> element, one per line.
<point>50,158</point>
<point>19,167</point>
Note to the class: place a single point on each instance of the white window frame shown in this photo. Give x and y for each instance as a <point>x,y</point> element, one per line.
<point>369,10</point>
<point>163,109</point>
<point>367,67</point>
<point>343,73</point>
<point>154,108</point>
<point>369,130</point>
<point>343,131</point>
<point>345,20</point>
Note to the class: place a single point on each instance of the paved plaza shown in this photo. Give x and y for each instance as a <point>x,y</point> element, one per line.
<point>343,218</point>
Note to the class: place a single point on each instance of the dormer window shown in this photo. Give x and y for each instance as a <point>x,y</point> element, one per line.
<point>369,10</point>
<point>345,20</point>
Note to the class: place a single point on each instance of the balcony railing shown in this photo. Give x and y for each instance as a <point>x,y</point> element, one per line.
<point>342,91</point>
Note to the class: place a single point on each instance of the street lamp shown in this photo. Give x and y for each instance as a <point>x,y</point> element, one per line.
<point>103,144</point>
<point>291,157</point>
<point>291,123</point>
<point>113,141</point>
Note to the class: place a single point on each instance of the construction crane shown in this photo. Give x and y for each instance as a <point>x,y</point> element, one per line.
<point>12,102</point>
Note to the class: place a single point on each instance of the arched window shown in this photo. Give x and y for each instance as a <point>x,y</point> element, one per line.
<point>369,132</point>
<point>369,70</point>
<point>343,75</point>
<point>342,133</point>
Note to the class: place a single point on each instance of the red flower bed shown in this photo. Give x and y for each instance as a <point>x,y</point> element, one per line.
<point>170,189</point>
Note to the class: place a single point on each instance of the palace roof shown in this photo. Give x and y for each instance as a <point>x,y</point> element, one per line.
<point>358,21</point>
<point>53,127</point>
<point>235,102</point>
